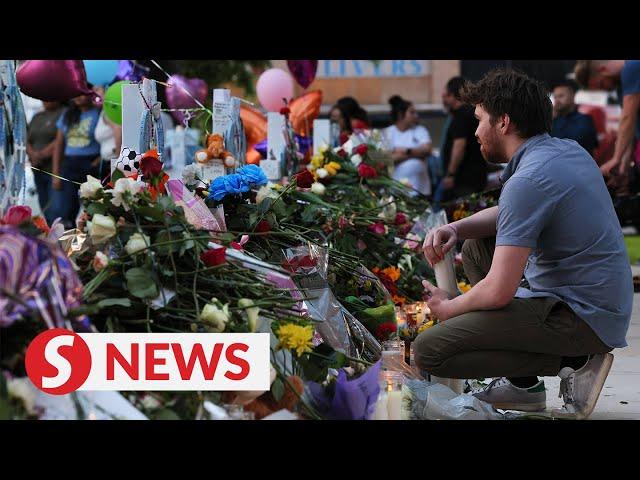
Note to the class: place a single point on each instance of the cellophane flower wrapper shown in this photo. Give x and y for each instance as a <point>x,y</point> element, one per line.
<point>195,210</point>
<point>423,400</point>
<point>347,399</point>
<point>338,328</point>
<point>40,274</point>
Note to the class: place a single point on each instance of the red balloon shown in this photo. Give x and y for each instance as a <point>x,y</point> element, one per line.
<point>304,71</point>
<point>53,80</point>
<point>255,124</point>
<point>304,110</point>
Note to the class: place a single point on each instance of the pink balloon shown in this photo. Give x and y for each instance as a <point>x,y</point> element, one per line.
<point>273,86</point>
<point>53,80</point>
<point>178,98</point>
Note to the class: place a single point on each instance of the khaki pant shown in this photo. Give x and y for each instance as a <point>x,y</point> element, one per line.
<point>528,337</point>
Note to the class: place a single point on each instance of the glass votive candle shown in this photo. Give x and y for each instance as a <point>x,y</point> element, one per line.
<point>401,317</point>
<point>393,382</point>
<point>392,354</point>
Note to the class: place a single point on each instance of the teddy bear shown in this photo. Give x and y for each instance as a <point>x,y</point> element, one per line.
<point>215,150</point>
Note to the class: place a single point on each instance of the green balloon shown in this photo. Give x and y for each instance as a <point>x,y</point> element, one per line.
<point>112,104</point>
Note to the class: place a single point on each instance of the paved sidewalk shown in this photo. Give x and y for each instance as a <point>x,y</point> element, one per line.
<point>620,397</point>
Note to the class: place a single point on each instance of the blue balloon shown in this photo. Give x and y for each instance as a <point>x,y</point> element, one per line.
<point>101,72</point>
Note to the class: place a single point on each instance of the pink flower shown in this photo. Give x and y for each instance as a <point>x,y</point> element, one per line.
<point>360,245</point>
<point>16,215</point>
<point>100,260</point>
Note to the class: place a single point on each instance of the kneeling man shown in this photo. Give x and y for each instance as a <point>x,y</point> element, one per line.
<point>556,226</point>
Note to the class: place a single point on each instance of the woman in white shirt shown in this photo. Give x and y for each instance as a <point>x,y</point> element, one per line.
<point>410,145</point>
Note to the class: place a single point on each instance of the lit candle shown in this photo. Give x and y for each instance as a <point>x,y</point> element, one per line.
<point>394,404</point>
<point>381,412</point>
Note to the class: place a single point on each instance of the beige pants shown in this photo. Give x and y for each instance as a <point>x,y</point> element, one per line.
<point>527,337</point>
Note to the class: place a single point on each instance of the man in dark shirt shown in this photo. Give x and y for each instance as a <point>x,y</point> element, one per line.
<point>466,169</point>
<point>41,135</point>
<point>568,122</point>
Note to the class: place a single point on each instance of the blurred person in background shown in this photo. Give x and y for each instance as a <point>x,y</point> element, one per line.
<point>41,136</point>
<point>76,154</point>
<point>410,145</point>
<point>466,170</point>
<point>358,117</point>
<point>623,75</point>
<point>568,122</point>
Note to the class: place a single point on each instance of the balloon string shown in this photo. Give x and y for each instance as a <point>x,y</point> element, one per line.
<point>181,87</point>
<point>54,175</point>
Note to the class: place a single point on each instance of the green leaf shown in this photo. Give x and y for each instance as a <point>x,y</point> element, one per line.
<point>4,392</point>
<point>116,175</point>
<point>165,236</point>
<point>265,205</point>
<point>310,213</point>
<point>140,283</point>
<point>5,409</point>
<point>277,389</point>
<point>186,246</point>
<point>166,414</point>
<point>165,202</point>
<point>94,208</point>
<point>151,213</point>
<point>109,302</point>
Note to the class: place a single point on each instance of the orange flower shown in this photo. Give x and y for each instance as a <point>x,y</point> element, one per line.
<point>392,272</point>
<point>41,224</point>
<point>398,300</point>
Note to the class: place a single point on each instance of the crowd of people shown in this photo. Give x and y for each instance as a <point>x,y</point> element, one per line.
<point>457,169</point>
<point>68,141</point>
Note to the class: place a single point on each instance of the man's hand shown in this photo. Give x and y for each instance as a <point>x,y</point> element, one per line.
<point>438,242</point>
<point>438,301</point>
<point>608,166</point>
<point>56,183</point>
<point>448,182</point>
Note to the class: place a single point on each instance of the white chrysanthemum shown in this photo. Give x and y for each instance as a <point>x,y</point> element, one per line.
<point>136,243</point>
<point>125,187</point>
<point>89,188</point>
<point>356,159</point>
<point>318,188</point>
<point>322,173</point>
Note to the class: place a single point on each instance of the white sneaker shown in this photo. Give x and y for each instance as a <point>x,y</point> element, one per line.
<point>581,388</point>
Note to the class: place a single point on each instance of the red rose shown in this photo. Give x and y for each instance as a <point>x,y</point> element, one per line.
<point>377,228</point>
<point>213,257</point>
<point>385,330</point>
<point>263,226</point>
<point>342,153</point>
<point>361,149</point>
<point>405,228</point>
<point>304,179</point>
<point>344,138</point>
<point>400,218</point>
<point>16,215</point>
<point>285,111</point>
<point>41,224</point>
<point>236,246</point>
<point>150,165</point>
<point>367,171</point>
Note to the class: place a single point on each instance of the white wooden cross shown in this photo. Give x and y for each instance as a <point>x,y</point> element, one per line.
<point>275,146</point>
<point>321,134</point>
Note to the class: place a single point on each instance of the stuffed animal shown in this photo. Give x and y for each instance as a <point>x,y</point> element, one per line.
<point>215,150</point>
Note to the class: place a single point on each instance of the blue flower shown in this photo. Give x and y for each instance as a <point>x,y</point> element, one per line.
<point>222,186</point>
<point>253,175</point>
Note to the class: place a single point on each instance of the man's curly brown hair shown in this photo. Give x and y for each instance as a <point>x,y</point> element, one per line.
<point>513,93</point>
